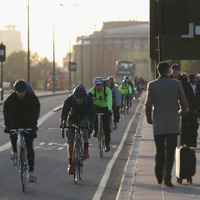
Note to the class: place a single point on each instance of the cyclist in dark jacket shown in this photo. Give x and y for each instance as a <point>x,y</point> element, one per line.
<point>21,110</point>
<point>78,109</point>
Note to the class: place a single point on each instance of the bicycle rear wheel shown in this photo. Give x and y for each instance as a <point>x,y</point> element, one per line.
<point>23,169</point>
<point>76,161</point>
<point>124,107</point>
<point>101,138</point>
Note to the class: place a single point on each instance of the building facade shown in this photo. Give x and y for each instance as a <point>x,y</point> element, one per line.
<point>11,39</point>
<point>96,54</point>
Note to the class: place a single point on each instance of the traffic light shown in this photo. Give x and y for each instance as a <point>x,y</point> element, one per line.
<point>2,52</point>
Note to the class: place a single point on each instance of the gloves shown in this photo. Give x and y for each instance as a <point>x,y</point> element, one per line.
<point>62,124</point>
<point>110,112</point>
<point>6,130</point>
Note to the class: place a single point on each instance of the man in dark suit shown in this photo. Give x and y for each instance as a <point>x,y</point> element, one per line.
<point>178,76</point>
<point>189,122</point>
<point>164,94</point>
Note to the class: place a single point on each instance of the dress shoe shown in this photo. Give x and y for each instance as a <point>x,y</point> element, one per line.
<point>159,176</point>
<point>169,184</point>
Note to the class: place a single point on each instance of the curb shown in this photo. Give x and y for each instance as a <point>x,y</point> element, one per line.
<point>46,95</point>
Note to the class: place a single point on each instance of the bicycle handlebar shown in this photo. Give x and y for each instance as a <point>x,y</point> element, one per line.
<point>99,114</point>
<point>17,130</point>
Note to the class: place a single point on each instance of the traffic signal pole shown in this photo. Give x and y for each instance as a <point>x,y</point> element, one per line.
<point>1,81</point>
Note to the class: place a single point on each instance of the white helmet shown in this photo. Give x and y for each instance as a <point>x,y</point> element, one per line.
<point>98,80</point>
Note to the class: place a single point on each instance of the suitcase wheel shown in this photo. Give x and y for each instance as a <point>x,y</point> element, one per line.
<point>189,180</point>
<point>179,180</point>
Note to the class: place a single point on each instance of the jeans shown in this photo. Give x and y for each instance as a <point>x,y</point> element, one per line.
<point>165,150</point>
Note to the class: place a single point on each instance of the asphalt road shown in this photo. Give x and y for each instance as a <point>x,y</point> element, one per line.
<point>101,176</point>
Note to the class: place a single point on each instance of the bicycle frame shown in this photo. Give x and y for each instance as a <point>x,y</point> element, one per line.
<point>22,163</point>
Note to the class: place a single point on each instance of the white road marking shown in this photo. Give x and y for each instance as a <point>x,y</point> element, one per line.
<point>53,143</point>
<point>40,121</point>
<point>42,143</point>
<point>60,148</point>
<point>106,175</point>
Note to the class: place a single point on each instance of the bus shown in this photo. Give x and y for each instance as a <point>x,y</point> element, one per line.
<point>124,68</point>
<point>59,85</point>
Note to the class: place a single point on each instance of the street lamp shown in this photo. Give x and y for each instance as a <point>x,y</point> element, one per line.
<point>54,46</point>
<point>28,53</point>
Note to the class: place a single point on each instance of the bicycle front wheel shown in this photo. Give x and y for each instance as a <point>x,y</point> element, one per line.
<point>23,168</point>
<point>76,159</point>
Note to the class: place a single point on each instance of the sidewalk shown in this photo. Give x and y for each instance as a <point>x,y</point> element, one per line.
<point>139,181</point>
<point>39,93</point>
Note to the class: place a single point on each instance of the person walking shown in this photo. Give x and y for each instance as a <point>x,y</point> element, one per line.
<point>190,121</point>
<point>164,94</point>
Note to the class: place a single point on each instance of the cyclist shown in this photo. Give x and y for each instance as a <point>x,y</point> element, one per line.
<point>132,84</point>
<point>78,108</point>
<point>125,89</point>
<point>21,110</point>
<point>102,97</point>
<point>116,100</point>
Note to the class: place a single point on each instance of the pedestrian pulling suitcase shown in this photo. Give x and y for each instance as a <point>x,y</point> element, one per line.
<point>185,161</point>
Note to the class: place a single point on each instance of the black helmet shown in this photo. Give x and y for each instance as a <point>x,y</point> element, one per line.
<point>80,92</point>
<point>110,78</point>
<point>20,85</point>
<point>126,77</point>
<point>125,81</point>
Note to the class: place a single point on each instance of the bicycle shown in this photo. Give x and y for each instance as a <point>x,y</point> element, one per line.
<point>22,163</point>
<point>78,157</point>
<point>124,107</point>
<point>101,136</point>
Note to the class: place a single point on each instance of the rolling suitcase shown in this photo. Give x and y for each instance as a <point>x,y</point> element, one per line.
<point>185,161</point>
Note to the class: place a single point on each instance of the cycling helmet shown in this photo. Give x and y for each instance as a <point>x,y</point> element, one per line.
<point>80,92</point>
<point>125,81</point>
<point>98,80</point>
<point>126,77</point>
<point>110,78</point>
<point>20,85</point>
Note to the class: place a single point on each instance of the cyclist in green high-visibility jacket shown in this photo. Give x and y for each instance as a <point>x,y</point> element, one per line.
<point>102,98</point>
<point>126,90</point>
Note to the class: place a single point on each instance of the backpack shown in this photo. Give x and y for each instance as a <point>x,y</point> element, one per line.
<point>104,91</point>
<point>74,103</point>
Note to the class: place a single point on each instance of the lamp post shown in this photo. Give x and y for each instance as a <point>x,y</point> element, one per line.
<point>54,46</point>
<point>28,53</point>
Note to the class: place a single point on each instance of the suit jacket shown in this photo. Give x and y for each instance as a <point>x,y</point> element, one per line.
<point>164,94</point>
<point>193,99</point>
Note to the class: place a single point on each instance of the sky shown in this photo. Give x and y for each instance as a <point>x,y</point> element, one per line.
<point>72,18</point>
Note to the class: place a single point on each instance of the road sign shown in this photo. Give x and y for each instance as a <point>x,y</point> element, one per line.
<point>72,66</point>
<point>179,29</point>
